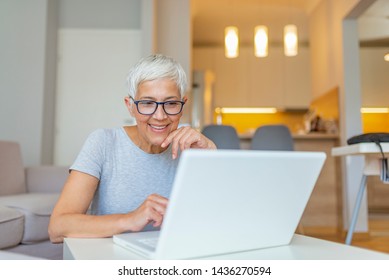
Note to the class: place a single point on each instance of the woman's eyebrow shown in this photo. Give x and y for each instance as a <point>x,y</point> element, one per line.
<point>153,98</point>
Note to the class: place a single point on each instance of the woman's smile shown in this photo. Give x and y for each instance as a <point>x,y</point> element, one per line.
<point>158,127</point>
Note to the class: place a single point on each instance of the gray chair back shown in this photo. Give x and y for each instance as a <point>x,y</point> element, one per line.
<point>224,136</point>
<point>272,138</point>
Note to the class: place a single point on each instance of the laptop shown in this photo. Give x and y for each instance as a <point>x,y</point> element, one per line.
<point>227,201</point>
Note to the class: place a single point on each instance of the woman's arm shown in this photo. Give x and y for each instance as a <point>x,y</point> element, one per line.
<point>69,218</point>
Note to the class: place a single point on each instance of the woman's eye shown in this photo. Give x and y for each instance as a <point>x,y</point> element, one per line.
<point>147,103</point>
<point>172,103</point>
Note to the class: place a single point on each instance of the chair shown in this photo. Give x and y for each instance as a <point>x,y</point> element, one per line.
<point>272,137</point>
<point>224,136</point>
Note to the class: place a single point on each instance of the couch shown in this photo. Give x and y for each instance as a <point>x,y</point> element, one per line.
<point>27,198</point>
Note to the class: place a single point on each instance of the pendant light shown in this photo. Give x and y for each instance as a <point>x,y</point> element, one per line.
<point>231,41</point>
<point>290,40</point>
<point>386,57</point>
<point>260,41</point>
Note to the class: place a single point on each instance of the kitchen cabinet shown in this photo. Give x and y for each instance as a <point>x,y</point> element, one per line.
<point>297,76</point>
<point>324,207</point>
<point>273,81</point>
<point>230,86</point>
<point>266,80</point>
<point>231,76</point>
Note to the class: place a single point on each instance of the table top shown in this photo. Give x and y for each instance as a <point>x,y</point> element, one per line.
<point>300,248</point>
<point>359,149</point>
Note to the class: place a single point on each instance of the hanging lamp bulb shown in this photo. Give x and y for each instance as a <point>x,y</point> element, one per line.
<point>231,41</point>
<point>290,40</point>
<point>260,41</point>
<point>386,57</point>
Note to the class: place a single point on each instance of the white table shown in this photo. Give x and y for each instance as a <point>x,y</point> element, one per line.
<point>301,248</point>
<point>372,167</point>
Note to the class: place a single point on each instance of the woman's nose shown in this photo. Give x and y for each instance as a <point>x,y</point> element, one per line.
<point>159,113</point>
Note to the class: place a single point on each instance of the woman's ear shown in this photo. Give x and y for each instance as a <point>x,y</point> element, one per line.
<point>185,99</point>
<point>129,105</point>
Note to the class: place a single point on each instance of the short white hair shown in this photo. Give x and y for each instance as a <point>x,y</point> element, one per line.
<point>154,67</point>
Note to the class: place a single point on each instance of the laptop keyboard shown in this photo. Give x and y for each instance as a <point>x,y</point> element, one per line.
<point>151,242</point>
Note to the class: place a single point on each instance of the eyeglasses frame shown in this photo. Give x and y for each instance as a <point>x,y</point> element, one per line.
<point>136,102</point>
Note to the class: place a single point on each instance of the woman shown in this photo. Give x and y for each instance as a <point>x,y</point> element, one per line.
<point>125,174</point>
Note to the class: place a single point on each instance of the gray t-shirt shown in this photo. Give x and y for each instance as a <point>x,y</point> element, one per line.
<point>127,174</point>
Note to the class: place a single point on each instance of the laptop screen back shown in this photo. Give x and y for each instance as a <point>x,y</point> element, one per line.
<point>226,201</point>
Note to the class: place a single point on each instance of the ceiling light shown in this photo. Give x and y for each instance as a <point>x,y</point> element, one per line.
<point>246,110</point>
<point>375,110</point>
<point>386,57</point>
<point>231,41</point>
<point>261,41</point>
<point>290,40</point>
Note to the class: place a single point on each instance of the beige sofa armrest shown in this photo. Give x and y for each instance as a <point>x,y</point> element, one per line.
<point>48,179</point>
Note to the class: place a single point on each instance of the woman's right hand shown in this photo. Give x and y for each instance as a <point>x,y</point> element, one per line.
<point>152,210</point>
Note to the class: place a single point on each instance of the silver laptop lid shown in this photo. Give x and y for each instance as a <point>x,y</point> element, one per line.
<point>227,201</point>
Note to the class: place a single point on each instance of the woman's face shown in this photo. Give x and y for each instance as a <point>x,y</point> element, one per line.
<point>153,129</point>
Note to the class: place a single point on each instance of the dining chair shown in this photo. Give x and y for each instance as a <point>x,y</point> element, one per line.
<point>224,136</point>
<point>272,137</point>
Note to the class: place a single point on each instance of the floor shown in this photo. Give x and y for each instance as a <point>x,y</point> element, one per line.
<point>377,239</point>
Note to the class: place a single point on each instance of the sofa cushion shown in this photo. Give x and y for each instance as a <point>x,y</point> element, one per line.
<point>46,179</point>
<point>12,177</point>
<point>11,227</point>
<point>37,208</point>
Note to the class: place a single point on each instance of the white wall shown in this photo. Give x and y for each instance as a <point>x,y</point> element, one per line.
<point>92,69</point>
<point>174,37</point>
<point>90,14</point>
<point>24,63</point>
<point>373,28</point>
<point>374,77</point>
<point>96,48</point>
<point>335,63</point>
<point>174,32</point>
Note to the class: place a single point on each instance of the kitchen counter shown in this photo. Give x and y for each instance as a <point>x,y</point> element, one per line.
<point>316,135</point>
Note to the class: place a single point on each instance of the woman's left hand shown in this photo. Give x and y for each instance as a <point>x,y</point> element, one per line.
<point>186,137</point>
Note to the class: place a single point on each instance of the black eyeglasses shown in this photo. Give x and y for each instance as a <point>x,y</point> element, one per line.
<point>148,107</point>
